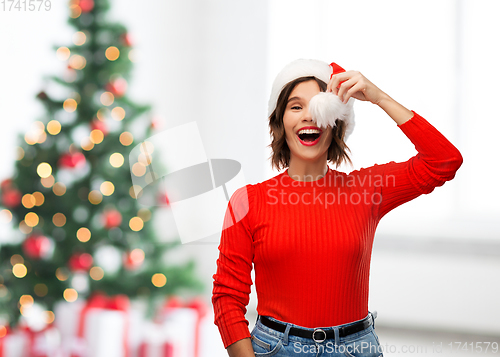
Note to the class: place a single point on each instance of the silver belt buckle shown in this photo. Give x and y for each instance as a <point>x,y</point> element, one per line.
<point>314,335</point>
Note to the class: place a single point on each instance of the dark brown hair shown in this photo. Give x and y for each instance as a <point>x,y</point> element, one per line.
<point>280,158</point>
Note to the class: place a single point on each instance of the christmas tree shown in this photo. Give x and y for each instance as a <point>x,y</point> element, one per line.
<point>71,199</point>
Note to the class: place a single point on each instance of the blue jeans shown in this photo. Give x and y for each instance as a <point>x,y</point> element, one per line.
<point>269,342</point>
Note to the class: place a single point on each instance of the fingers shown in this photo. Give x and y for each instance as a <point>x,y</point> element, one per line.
<point>358,87</point>
<point>345,88</point>
<point>336,80</point>
<point>349,84</point>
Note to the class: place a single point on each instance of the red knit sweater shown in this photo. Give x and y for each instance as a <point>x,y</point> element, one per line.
<point>311,242</point>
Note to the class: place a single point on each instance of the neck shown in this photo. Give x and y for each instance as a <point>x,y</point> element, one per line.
<point>307,171</point>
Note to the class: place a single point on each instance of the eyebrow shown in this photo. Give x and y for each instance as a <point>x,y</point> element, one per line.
<point>293,98</point>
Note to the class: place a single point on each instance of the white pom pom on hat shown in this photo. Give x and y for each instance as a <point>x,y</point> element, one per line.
<point>325,107</point>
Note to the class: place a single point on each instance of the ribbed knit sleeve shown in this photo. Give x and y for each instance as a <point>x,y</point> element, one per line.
<point>232,281</point>
<point>437,161</point>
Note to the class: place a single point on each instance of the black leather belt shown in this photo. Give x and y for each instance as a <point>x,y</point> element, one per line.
<point>319,335</point>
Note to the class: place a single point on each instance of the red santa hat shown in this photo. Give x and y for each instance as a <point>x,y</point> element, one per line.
<point>325,107</point>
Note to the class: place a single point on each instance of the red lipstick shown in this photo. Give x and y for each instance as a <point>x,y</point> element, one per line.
<point>309,143</point>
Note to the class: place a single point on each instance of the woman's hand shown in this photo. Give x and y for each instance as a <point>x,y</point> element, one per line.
<point>353,84</point>
<point>241,348</point>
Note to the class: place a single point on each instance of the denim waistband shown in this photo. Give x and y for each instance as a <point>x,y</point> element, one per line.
<point>338,340</point>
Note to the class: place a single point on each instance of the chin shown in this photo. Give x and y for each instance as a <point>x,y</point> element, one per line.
<point>312,157</point>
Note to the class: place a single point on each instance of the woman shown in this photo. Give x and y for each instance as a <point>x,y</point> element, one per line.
<point>309,231</point>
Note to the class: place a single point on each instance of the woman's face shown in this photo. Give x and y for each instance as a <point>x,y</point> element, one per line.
<point>306,141</point>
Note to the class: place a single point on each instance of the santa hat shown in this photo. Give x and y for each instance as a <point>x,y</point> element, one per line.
<point>325,107</point>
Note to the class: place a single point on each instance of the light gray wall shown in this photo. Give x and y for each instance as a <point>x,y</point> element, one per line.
<point>205,61</point>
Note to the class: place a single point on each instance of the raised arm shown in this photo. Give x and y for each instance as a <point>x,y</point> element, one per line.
<point>353,84</point>
<point>437,160</point>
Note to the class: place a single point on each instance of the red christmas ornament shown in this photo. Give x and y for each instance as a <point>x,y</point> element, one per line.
<point>11,197</point>
<point>126,39</point>
<point>6,184</point>
<point>99,125</point>
<point>36,246</point>
<point>86,5</point>
<point>112,218</point>
<point>133,260</point>
<point>118,87</point>
<point>69,160</point>
<point>80,262</point>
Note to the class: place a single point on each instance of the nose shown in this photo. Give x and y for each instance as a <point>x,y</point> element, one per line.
<point>306,114</point>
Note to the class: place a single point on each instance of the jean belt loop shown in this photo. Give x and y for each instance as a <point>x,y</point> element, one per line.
<point>374,316</point>
<point>337,336</point>
<point>285,336</point>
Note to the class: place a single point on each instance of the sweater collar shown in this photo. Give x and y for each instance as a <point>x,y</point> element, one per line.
<point>285,180</point>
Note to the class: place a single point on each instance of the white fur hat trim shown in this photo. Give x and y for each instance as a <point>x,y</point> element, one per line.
<point>325,108</point>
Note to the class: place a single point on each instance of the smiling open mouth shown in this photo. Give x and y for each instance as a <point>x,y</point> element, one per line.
<point>309,136</point>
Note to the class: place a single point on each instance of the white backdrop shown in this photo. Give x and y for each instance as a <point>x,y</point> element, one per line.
<point>435,57</point>
<point>436,261</point>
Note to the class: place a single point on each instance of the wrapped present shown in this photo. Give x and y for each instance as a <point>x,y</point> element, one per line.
<point>67,322</point>
<point>14,343</point>
<point>210,342</point>
<point>95,328</point>
<point>151,350</point>
<point>103,325</point>
<point>182,321</point>
<point>136,327</point>
<point>43,343</point>
<point>156,342</point>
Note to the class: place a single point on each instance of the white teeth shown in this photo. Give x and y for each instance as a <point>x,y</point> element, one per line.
<point>309,131</point>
